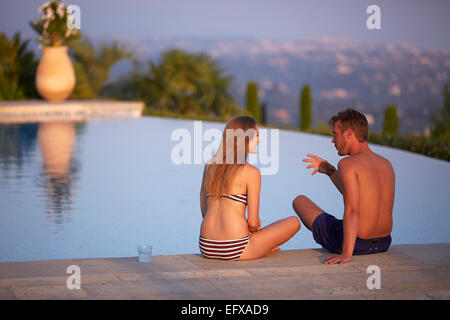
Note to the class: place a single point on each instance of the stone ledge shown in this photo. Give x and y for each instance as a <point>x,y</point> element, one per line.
<point>407,272</point>
<point>70,110</point>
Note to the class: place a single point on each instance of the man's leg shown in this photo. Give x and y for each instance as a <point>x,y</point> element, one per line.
<point>306,210</point>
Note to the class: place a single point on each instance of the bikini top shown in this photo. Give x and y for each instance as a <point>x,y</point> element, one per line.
<point>236,197</point>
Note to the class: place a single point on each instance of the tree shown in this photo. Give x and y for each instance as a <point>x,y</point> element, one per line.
<point>186,83</point>
<point>305,108</point>
<point>253,105</point>
<point>18,67</point>
<point>440,122</point>
<point>127,86</point>
<point>390,123</point>
<point>92,65</point>
<point>264,113</point>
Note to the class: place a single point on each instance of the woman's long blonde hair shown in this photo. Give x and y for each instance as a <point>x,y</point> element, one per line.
<point>231,155</point>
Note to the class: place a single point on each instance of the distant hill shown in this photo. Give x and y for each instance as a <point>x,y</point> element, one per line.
<point>342,73</point>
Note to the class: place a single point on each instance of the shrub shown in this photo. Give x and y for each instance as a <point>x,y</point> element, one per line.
<point>253,106</point>
<point>305,108</point>
<point>390,123</point>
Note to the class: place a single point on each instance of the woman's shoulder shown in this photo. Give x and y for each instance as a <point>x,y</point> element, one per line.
<point>251,170</point>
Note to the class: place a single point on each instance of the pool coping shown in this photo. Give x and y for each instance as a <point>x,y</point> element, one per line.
<point>70,110</point>
<point>415,271</point>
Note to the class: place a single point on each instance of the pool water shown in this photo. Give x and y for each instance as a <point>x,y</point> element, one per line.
<point>98,188</point>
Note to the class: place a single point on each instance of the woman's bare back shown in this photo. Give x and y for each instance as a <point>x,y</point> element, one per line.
<point>225,218</point>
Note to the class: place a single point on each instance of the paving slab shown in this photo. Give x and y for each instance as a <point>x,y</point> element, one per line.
<point>407,272</point>
<point>47,292</point>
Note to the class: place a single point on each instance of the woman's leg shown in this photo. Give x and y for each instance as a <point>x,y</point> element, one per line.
<point>267,239</point>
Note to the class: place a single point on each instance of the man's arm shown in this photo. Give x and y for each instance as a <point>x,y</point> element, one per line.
<point>350,185</point>
<point>335,178</point>
<point>323,166</point>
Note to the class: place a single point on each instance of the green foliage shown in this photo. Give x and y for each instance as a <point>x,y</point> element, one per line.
<point>305,108</point>
<point>322,129</point>
<point>17,69</point>
<point>436,148</point>
<point>252,101</point>
<point>92,66</point>
<point>263,113</point>
<point>83,89</point>
<point>390,123</point>
<point>227,113</point>
<point>185,83</point>
<point>181,85</point>
<point>127,87</point>
<point>440,123</point>
<point>52,26</point>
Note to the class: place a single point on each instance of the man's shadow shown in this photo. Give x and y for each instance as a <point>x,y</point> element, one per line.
<point>324,254</point>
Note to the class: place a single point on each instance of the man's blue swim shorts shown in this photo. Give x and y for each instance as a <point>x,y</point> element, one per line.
<point>329,233</point>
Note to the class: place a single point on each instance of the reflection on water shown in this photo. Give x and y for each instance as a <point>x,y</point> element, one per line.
<point>56,142</point>
<point>59,171</point>
<point>16,143</point>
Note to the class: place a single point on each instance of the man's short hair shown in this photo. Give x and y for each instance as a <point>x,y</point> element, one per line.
<point>352,119</point>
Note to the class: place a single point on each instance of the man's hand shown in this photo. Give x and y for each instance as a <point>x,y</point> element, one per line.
<point>319,164</point>
<point>340,259</point>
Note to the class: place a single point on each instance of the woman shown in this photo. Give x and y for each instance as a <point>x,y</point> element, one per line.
<point>230,185</point>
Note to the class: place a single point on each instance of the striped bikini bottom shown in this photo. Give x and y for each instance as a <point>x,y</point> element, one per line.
<point>223,249</point>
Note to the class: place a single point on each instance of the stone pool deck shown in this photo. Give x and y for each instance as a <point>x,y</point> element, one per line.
<point>407,272</point>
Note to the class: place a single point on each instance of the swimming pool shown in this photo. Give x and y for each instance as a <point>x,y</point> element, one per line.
<point>98,188</point>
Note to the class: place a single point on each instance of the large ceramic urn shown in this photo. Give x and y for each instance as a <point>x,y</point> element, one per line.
<point>55,76</point>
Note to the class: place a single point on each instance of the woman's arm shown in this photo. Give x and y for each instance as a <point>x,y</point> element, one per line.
<point>253,190</point>
<point>203,194</point>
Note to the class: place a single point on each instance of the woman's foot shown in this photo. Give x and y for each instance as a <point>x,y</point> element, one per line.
<point>276,249</point>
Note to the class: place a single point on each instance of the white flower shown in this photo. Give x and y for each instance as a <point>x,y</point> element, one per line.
<point>60,10</point>
<point>46,23</point>
<point>43,6</point>
<point>50,15</point>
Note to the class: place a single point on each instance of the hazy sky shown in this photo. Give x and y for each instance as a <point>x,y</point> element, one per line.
<point>420,22</point>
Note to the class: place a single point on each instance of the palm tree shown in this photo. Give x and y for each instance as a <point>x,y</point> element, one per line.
<point>17,69</point>
<point>184,82</point>
<point>92,65</point>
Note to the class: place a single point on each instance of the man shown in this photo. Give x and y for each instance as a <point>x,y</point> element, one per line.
<point>367,183</point>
